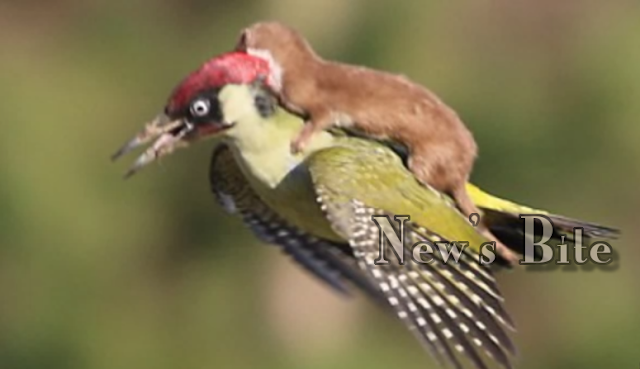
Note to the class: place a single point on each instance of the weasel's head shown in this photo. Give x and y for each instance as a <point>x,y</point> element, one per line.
<point>281,46</point>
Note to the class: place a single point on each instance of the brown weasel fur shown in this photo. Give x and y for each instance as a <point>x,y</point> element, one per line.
<point>382,105</point>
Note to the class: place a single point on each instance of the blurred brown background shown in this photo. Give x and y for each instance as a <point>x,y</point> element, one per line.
<point>99,273</point>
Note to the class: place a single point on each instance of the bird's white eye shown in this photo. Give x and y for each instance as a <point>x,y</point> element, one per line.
<point>200,107</point>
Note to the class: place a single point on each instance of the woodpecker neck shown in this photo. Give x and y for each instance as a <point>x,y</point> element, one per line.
<point>263,146</point>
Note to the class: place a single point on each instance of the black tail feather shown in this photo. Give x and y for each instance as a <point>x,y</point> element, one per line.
<point>509,229</point>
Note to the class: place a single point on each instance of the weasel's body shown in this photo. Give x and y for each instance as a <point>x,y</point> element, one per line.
<point>379,104</point>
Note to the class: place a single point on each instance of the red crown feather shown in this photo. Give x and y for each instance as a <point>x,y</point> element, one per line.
<point>233,67</point>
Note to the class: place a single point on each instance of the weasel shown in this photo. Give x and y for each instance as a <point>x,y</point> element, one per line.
<point>377,104</point>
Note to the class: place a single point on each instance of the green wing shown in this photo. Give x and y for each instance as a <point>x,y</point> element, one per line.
<point>332,262</point>
<point>451,307</point>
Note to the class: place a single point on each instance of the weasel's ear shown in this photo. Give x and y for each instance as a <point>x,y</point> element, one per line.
<point>241,45</point>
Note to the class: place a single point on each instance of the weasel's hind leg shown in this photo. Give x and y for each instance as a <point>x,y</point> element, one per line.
<point>467,207</point>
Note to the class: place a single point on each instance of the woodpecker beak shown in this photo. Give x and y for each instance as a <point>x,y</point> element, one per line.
<point>169,135</point>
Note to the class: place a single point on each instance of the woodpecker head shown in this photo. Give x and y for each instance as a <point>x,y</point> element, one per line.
<point>283,47</point>
<point>193,111</point>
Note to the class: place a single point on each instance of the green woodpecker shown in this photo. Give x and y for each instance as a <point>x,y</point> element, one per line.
<point>318,206</point>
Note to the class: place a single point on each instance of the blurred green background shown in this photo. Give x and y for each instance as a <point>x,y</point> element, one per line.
<point>100,273</point>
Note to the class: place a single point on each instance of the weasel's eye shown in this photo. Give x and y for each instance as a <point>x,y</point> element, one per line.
<point>200,107</point>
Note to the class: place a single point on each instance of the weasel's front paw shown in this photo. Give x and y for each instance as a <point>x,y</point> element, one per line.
<point>300,142</point>
<point>298,145</point>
